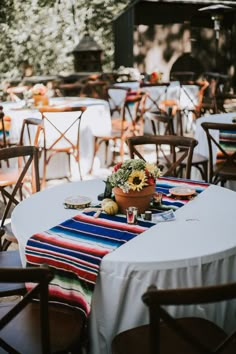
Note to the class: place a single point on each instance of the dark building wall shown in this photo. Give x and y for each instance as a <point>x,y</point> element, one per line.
<point>123,35</point>
<point>131,49</point>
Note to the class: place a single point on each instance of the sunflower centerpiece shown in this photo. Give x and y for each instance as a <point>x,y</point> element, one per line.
<point>133,183</point>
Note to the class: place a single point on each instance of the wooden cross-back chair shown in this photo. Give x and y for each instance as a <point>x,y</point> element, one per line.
<point>162,124</point>
<point>61,130</point>
<point>3,138</point>
<point>116,97</point>
<point>155,94</point>
<point>130,123</point>
<point>166,334</point>
<point>94,89</point>
<point>222,152</point>
<point>172,108</point>
<point>4,133</point>
<point>17,181</point>
<point>169,151</point>
<point>38,327</point>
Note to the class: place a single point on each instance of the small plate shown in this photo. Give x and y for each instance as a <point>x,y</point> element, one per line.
<point>182,191</point>
<point>77,202</point>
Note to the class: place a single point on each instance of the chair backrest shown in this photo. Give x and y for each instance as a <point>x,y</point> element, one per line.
<point>3,131</point>
<point>94,89</point>
<point>169,151</point>
<point>61,127</point>
<point>155,299</point>
<point>30,130</point>
<point>155,94</point>
<point>162,123</point>
<point>23,169</point>
<point>41,276</point>
<point>116,97</point>
<point>134,111</point>
<point>221,138</point>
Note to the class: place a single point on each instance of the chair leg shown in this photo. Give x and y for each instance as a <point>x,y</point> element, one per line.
<point>203,169</point>
<point>95,149</point>
<point>5,244</point>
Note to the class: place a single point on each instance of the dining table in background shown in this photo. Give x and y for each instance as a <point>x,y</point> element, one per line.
<point>198,248</point>
<point>200,136</point>
<point>96,121</point>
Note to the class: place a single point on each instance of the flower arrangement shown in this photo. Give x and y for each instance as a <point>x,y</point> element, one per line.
<point>155,77</point>
<point>133,175</point>
<point>39,89</point>
<point>128,74</point>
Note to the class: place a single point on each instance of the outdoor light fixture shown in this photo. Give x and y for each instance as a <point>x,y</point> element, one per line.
<point>217,14</point>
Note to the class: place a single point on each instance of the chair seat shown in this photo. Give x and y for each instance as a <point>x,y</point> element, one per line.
<point>9,176</point>
<point>227,171</point>
<point>9,235</point>
<point>201,163</point>
<point>136,340</point>
<point>11,259</point>
<point>65,328</point>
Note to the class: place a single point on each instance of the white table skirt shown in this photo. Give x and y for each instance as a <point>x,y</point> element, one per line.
<point>198,248</point>
<point>96,120</point>
<point>200,136</point>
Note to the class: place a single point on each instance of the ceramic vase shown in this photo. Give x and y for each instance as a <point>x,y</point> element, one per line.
<point>139,199</point>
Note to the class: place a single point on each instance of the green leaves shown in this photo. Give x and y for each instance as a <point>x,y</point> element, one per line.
<point>43,32</point>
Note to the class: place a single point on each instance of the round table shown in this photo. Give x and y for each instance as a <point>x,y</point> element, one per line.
<point>96,121</point>
<point>200,136</point>
<point>196,249</point>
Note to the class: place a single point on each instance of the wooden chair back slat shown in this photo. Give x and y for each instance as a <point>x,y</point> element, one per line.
<point>179,148</point>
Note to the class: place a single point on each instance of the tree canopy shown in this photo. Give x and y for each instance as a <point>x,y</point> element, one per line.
<point>43,33</point>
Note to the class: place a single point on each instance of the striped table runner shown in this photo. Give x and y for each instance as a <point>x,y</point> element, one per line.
<point>227,140</point>
<point>75,248</point>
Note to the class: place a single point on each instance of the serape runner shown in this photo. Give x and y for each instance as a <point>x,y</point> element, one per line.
<point>75,248</point>
<point>164,184</point>
<point>227,140</point>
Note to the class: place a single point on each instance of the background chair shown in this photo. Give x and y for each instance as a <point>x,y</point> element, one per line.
<point>61,132</point>
<point>37,327</point>
<point>155,94</point>
<point>12,181</point>
<point>162,123</point>
<point>94,87</point>
<point>17,181</point>
<point>221,140</point>
<point>130,123</point>
<point>5,123</point>
<point>172,108</point>
<point>188,335</point>
<point>116,97</point>
<point>169,151</point>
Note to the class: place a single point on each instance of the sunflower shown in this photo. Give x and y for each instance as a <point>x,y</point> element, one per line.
<point>137,180</point>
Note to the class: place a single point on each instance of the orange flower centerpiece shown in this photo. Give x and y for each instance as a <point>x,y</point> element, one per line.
<point>38,93</point>
<point>133,183</point>
<point>155,77</point>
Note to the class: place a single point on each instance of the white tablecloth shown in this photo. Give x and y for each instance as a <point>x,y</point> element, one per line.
<point>95,121</point>
<point>197,249</point>
<point>200,136</point>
